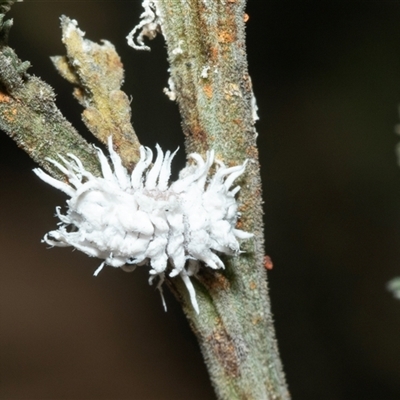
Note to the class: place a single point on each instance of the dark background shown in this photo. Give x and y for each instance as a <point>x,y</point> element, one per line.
<point>327,79</point>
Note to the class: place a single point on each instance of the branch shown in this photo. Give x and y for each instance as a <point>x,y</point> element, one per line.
<point>28,114</point>
<point>209,78</point>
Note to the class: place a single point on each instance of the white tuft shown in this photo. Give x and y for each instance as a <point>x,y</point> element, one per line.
<point>149,26</point>
<point>170,91</point>
<point>204,72</point>
<point>254,108</point>
<point>178,50</point>
<point>73,26</point>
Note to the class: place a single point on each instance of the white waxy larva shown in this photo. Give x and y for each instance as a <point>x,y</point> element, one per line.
<point>141,219</point>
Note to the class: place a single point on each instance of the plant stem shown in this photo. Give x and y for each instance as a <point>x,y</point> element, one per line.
<point>208,66</point>
<point>29,115</point>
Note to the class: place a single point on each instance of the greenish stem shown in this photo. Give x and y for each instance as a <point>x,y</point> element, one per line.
<point>208,67</point>
<point>29,115</point>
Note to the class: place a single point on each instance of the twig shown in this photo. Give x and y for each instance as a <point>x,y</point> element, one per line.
<point>209,77</point>
<point>29,115</point>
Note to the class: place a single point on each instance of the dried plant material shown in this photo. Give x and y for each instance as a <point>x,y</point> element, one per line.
<point>97,73</point>
<point>149,25</point>
<point>28,113</point>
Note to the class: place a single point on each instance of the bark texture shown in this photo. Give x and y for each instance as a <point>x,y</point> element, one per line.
<point>208,66</point>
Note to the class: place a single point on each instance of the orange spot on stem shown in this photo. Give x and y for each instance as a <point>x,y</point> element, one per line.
<point>268,264</point>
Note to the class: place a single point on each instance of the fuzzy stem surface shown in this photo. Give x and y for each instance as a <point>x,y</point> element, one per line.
<point>208,66</point>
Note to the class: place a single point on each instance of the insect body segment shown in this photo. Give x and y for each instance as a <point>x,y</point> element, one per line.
<point>139,218</point>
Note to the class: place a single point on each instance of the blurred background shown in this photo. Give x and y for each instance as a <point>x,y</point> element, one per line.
<point>327,80</point>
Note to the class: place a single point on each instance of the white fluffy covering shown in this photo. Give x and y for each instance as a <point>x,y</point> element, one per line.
<point>141,219</point>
